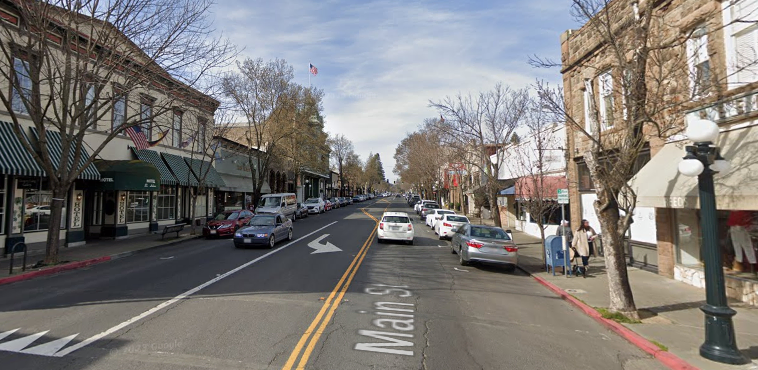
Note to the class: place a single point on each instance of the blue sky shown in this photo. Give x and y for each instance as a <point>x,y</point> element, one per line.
<point>380,62</point>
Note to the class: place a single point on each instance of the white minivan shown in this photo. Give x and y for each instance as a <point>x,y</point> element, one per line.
<point>284,203</point>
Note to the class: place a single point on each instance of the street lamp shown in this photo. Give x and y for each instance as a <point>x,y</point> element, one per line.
<point>703,160</point>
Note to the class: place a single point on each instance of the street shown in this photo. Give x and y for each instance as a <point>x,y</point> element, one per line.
<point>203,304</point>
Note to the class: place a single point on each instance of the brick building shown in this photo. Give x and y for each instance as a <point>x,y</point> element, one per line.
<point>707,71</point>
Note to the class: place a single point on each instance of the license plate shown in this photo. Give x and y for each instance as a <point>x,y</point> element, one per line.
<point>394,227</point>
<point>247,240</point>
<point>213,232</point>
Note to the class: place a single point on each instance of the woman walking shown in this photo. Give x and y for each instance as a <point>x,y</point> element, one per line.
<point>581,244</point>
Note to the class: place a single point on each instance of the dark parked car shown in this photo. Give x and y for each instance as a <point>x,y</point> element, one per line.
<point>302,211</point>
<point>227,222</point>
<point>264,230</point>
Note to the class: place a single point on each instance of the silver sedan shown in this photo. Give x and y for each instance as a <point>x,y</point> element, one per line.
<point>480,243</point>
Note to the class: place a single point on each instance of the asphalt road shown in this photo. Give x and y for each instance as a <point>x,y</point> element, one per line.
<point>206,305</point>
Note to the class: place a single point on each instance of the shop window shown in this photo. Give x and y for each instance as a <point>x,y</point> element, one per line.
<point>37,208</point>
<point>119,111</point>
<point>21,91</point>
<point>167,203</point>
<point>3,192</point>
<point>138,206</point>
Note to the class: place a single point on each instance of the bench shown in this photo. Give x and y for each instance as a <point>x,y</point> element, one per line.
<point>172,229</point>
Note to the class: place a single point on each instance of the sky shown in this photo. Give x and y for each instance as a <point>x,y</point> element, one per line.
<point>381,62</point>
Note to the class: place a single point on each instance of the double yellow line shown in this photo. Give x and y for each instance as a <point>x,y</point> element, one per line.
<point>330,306</point>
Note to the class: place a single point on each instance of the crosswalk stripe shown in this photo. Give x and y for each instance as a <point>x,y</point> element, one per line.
<point>21,343</point>
<point>49,349</point>
<point>7,333</point>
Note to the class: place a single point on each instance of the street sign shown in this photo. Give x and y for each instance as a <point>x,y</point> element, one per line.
<point>563,196</point>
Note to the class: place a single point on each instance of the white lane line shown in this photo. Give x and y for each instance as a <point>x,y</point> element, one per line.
<point>178,298</point>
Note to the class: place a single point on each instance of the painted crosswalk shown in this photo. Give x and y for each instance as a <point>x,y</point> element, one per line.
<point>27,345</point>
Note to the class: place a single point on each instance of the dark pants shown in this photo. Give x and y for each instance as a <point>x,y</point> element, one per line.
<point>592,248</point>
<point>585,261</point>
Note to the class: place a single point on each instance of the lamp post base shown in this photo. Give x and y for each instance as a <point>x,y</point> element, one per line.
<point>720,343</point>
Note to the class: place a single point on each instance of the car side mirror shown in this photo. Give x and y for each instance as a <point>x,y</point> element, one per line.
<point>509,232</point>
<point>283,204</point>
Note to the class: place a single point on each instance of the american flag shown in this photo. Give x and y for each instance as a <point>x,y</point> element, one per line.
<point>138,137</point>
<point>313,68</point>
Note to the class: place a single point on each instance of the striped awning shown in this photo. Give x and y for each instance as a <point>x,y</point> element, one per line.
<point>154,158</point>
<point>14,159</point>
<point>55,150</point>
<point>179,168</point>
<point>204,168</point>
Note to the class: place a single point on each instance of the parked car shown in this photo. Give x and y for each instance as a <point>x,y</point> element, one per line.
<point>413,199</point>
<point>428,207</point>
<point>226,223</point>
<point>284,203</point>
<point>417,207</point>
<point>395,226</point>
<point>343,202</point>
<point>335,202</point>
<point>436,214</point>
<point>315,205</point>
<point>448,224</point>
<point>264,229</point>
<point>357,199</point>
<point>302,211</point>
<point>480,243</point>
<point>327,205</point>
<point>349,200</point>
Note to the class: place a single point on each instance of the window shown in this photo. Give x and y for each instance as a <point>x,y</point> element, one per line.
<point>741,33</point>
<point>177,129</point>
<point>588,105</point>
<point>37,208</point>
<point>119,111</point>
<point>97,207</point>
<point>90,105</point>
<point>138,206</point>
<point>146,117</point>
<point>166,203</point>
<point>21,92</point>
<point>698,61</point>
<point>3,180</point>
<point>605,82</point>
<point>585,180</point>
<point>201,133</point>
<point>625,87</point>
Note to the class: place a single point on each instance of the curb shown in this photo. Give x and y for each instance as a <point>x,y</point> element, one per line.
<point>81,264</point>
<point>666,358</point>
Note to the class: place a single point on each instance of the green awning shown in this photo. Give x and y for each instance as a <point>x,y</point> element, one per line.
<point>55,150</point>
<point>204,170</point>
<point>133,175</point>
<point>154,158</point>
<point>179,168</point>
<point>14,159</point>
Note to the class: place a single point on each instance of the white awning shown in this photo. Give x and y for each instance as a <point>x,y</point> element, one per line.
<point>659,183</point>
<point>237,184</point>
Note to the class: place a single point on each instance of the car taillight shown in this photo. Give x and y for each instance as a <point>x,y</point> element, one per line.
<point>410,227</point>
<point>511,248</point>
<point>381,226</point>
<point>474,245</point>
<point>445,224</point>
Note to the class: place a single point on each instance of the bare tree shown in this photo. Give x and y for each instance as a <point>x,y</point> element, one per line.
<point>68,61</point>
<point>341,148</point>
<point>478,126</point>
<point>420,156</point>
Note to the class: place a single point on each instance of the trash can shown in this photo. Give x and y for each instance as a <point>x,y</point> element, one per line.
<point>554,254</point>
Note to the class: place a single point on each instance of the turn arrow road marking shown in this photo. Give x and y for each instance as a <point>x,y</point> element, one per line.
<point>323,248</point>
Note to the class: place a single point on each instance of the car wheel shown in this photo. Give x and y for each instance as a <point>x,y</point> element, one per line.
<point>271,241</point>
<point>452,250</point>
<point>289,235</point>
<point>410,242</point>
<point>461,260</point>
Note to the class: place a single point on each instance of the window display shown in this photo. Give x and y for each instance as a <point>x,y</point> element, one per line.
<point>166,203</point>
<point>37,208</point>
<point>138,206</point>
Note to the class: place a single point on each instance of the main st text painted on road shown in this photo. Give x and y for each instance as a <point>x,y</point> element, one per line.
<point>395,316</point>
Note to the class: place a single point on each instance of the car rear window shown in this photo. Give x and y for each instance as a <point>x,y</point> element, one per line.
<point>396,219</point>
<point>457,219</point>
<point>489,232</point>
<point>432,205</point>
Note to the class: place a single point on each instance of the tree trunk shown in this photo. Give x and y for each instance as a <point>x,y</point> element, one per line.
<point>621,297</point>
<point>494,211</point>
<point>193,196</point>
<point>54,224</point>
<point>542,237</point>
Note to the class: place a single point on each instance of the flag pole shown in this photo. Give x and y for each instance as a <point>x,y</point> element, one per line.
<point>309,75</point>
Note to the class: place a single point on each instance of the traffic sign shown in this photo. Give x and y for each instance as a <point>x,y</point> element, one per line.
<point>563,196</point>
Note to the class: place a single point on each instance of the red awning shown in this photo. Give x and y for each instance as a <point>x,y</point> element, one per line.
<point>544,187</point>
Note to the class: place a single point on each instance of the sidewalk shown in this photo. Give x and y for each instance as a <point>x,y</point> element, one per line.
<point>669,309</point>
<point>95,251</point>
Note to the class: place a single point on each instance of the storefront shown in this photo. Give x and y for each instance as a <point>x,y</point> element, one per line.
<point>660,185</point>
<point>313,185</point>
<point>237,174</point>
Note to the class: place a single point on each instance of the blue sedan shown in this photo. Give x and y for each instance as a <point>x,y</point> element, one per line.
<point>264,230</point>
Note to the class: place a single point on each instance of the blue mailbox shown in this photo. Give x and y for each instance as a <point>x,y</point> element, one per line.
<point>554,254</point>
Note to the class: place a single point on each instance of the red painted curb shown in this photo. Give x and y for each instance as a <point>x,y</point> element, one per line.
<point>54,270</point>
<point>667,358</point>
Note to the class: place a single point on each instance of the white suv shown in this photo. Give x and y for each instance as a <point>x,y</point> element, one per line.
<point>395,226</point>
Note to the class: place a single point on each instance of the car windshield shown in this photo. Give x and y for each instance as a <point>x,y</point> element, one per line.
<point>262,221</point>
<point>489,233</point>
<point>312,200</point>
<point>396,219</point>
<point>457,219</point>
<point>233,216</point>
<point>270,202</point>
